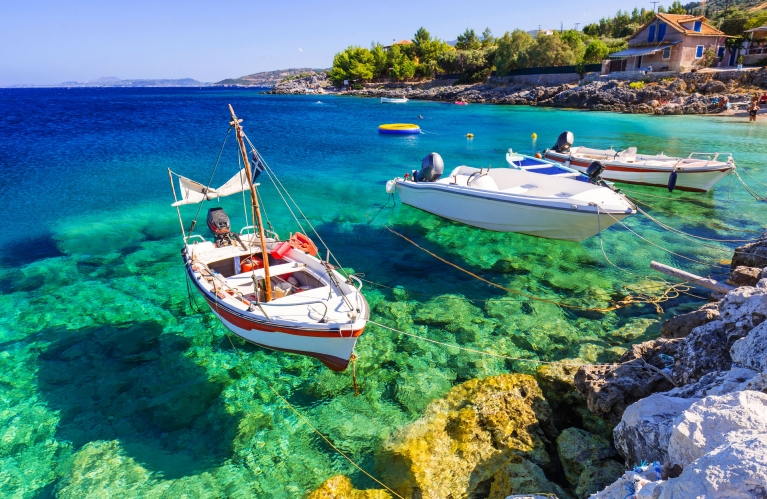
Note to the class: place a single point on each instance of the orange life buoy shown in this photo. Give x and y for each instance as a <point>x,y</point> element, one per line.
<point>302,242</point>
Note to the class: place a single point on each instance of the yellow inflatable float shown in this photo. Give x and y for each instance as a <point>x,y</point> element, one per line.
<point>399,129</point>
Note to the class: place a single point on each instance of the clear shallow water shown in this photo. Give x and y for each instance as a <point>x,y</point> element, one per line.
<point>112,382</point>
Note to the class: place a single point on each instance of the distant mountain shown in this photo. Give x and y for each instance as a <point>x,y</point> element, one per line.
<point>111,81</point>
<point>267,78</point>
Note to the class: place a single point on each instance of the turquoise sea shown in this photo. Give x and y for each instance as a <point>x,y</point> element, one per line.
<point>114,385</point>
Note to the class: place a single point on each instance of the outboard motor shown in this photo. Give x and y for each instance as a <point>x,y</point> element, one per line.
<point>594,172</point>
<point>564,141</point>
<point>219,225</point>
<point>432,167</point>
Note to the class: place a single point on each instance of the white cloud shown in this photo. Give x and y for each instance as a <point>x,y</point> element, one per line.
<point>300,49</point>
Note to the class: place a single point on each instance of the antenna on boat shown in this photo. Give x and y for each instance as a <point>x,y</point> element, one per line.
<point>253,202</point>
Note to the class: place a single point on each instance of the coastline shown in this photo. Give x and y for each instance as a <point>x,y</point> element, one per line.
<point>571,429</point>
<point>654,93</point>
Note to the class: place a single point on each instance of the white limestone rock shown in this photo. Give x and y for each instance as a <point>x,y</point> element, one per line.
<point>737,470</point>
<point>715,421</point>
<point>645,428</point>
<point>751,351</point>
<point>719,383</point>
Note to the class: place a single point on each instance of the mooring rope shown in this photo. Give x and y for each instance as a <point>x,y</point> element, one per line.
<point>691,236</point>
<point>520,359</point>
<point>657,245</point>
<point>669,294</point>
<point>751,191</point>
<point>715,226</point>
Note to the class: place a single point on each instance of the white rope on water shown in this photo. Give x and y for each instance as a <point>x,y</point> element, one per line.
<point>691,236</point>
<point>657,245</point>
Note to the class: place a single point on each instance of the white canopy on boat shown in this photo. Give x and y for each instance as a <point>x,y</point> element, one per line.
<point>194,192</point>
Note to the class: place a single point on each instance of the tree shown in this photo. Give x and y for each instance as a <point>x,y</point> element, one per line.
<point>596,51</point>
<point>380,60</point>
<point>487,38</point>
<point>354,63</point>
<point>575,40</point>
<point>510,46</point>
<point>709,56</point>
<point>468,40</point>
<point>677,8</point>
<point>548,50</point>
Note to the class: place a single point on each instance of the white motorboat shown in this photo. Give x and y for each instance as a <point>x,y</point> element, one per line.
<point>514,200</point>
<point>276,294</point>
<point>393,100</point>
<point>698,172</point>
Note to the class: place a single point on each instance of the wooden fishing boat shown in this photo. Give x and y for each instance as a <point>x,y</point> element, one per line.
<point>273,293</point>
<point>698,172</point>
<point>514,199</point>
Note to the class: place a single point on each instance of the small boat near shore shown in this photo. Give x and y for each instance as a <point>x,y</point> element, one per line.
<point>698,172</point>
<point>276,294</point>
<point>394,100</point>
<point>556,206</point>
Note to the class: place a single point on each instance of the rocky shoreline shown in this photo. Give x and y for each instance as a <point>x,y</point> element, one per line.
<point>685,413</point>
<point>662,94</point>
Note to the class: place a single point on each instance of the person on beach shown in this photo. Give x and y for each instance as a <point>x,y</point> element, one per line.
<point>752,110</point>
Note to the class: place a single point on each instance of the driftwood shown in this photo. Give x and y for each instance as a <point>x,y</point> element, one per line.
<point>703,282</point>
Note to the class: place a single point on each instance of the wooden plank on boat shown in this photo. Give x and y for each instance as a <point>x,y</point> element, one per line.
<point>703,282</point>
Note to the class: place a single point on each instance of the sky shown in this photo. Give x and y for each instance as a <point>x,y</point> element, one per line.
<point>47,41</point>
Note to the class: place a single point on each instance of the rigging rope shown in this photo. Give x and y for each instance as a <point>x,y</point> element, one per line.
<point>199,206</point>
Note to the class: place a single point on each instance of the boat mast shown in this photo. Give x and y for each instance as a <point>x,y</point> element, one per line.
<point>254,203</point>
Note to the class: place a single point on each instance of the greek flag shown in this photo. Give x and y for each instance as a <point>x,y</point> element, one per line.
<point>257,167</point>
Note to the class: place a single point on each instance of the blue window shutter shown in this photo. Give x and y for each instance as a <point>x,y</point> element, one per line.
<point>697,26</point>
<point>720,52</point>
<point>699,52</point>
<point>667,53</point>
<point>661,32</point>
<point>651,36</point>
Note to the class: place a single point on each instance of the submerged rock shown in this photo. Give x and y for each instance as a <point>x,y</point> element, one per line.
<point>716,421</point>
<point>587,461</point>
<point>519,475</point>
<point>466,438</point>
<point>340,487</point>
<point>557,381</point>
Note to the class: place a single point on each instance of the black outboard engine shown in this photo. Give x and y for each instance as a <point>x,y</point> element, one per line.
<point>594,172</point>
<point>219,225</point>
<point>564,141</point>
<point>432,167</point>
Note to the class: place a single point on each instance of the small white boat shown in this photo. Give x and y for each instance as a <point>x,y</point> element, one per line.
<point>393,100</point>
<point>554,205</point>
<point>276,294</point>
<point>698,172</point>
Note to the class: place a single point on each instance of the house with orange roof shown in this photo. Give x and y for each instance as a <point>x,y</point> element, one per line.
<point>395,42</point>
<point>671,42</point>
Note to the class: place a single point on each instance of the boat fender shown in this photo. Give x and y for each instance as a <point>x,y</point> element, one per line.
<point>391,186</point>
<point>594,172</point>
<point>538,155</point>
<point>672,181</point>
